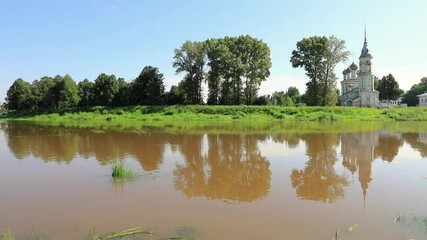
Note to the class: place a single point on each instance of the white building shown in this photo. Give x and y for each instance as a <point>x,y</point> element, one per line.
<point>357,86</point>
<point>422,100</point>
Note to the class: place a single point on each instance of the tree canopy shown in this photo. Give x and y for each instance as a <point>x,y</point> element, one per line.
<point>319,57</point>
<point>410,96</point>
<point>389,88</point>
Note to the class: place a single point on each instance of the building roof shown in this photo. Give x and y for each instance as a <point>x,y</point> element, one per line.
<point>422,95</point>
<point>353,66</point>
<point>365,50</point>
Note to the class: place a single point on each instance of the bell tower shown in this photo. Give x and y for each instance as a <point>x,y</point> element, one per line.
<point>366,80</point>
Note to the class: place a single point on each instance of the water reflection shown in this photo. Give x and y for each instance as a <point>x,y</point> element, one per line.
<point>319,181</point>
<point>233,168</point>
<point>229,167</point>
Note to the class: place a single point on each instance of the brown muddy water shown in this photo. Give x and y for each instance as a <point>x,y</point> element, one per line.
<point>269,182</point>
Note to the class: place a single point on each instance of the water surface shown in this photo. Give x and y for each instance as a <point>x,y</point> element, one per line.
<point>266,181</point>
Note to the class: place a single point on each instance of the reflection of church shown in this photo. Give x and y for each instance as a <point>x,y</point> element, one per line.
<point>357,86</point>
<point>358,154</point>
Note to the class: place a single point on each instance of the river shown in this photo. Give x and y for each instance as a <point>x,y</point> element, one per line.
<point>293,181</point>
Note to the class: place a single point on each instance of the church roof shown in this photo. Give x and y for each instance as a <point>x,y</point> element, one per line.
<point>353,66</point>
<point>365,50</point>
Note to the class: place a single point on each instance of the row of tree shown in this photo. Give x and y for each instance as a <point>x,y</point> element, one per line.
<point>237,67</point>
<point>232,68</point>
<point>106,90</point>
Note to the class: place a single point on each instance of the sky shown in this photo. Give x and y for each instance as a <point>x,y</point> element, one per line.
<point>84,38</point>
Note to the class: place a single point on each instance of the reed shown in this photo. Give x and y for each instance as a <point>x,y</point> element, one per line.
<point>119,170</point>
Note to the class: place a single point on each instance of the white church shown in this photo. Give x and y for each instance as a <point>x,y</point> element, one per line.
<point>357,86</point>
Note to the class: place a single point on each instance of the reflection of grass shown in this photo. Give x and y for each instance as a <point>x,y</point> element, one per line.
<point>413,220</point>
<point>6,235</point>
<point>119,171</point>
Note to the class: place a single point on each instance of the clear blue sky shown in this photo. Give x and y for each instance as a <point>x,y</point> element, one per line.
<point>87,37</point>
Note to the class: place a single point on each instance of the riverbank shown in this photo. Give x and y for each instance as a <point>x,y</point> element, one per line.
<point>219,113</point>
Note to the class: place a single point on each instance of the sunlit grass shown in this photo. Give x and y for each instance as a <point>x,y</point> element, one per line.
<point>119,171</point>
<point>220,113</point>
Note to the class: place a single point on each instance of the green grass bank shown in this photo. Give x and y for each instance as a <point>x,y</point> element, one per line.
<point>219,113</point>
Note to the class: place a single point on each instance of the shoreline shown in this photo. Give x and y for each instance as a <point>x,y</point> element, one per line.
<point>196,113</point>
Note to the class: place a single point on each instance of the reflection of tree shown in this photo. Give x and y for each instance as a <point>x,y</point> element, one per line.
<point>291,139</point>
<point>319,181</point>
<point>232,169</point>
<point>388,146</point>
<point>418,142</point>
<point>62,144</point>
<point>47,143</point>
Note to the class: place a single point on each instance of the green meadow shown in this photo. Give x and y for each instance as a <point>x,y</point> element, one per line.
<point>218,113</point>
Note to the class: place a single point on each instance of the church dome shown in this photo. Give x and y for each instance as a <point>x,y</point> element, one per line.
<point>353,66</point>
<point>348,70</point>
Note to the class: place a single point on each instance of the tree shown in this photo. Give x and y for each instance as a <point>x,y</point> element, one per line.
<point>238,66</point>
<point>18,97</point>
<point>410,96</point>
<point>293,94</point>
<point>191,58</point>
<point>123,96</point>
<point>174,96</point>
<point>319,57</point>
<point>389,88</point>
<point>105,89</point>
<point>148,87</point>
<point>41,92</point>
<point>68,94</point>
<point>86,93</point>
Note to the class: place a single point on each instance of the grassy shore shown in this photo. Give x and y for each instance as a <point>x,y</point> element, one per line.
<point>219,113</point>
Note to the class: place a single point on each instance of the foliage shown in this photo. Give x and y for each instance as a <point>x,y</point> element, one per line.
<point>191,58</point>
<point>66,91</point>
<point>86,93</point>
<point>19,95</point>
<point>42,92</point>
<point>389,88</point>
<point>238,65</point>
<point>319,56</point>
<point>148,87</point>
<point>105,88</point>
<point>175,96</point>
<point>410,96</point>
<point>123,97</point>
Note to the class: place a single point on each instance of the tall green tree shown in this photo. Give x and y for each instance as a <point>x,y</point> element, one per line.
<point>175,96</point>
<point>41,92</point>
<point>389,88</point>
<point>319,57</point>
<point>86,93</point>
<point>191,58</point>
<point>410,97</point>
<point>68,93</point>
<point>238,65</point>
<point>19,95</point>
<point>293,94</point>
<point>148,87</point>
<point>124,96</point>
<point>105,89</point>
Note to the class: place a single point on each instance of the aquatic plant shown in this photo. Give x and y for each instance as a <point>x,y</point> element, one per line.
<point>122,234</point>
<point>120,171</point>
<point>351,228</point>
<point>6,235</point>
